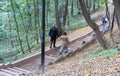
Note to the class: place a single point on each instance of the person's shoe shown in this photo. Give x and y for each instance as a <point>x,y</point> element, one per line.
<point>60,53</point>
<point>54,46</point>
<point>66,51</point>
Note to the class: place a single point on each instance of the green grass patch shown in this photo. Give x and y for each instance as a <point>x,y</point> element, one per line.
<point>77,26</point>
<point>102,54</point>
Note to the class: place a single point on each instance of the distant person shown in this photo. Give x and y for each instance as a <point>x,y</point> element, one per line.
<point>65,43</point>
<point>53,33</point>
<point>104,22</point>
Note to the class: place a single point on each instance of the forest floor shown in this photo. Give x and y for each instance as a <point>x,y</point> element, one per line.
<point>92,61</point>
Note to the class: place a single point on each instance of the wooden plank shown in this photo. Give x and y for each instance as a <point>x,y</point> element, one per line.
<point>23,70</point>
<point>50,57</point>
<point>9,72</point>
<point>15,70</point>
<point>5,74</point>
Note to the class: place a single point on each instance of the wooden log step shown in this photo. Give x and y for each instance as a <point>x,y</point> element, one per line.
<point>23,70</point>
<point>2,73</point>
<point>17,71</point>
<point>53,58</point>
<point>10,72</point>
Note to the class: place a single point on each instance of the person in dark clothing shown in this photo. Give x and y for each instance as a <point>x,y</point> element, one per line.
<point>104,22</point>
<point>53,33</point>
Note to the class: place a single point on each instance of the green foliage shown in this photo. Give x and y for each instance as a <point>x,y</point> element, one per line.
<point>13,58</point>
<point>102,54</point>
<point>77,26</point>
<point>2,34</point>
<point>103,1</point>
<point>8,53</point>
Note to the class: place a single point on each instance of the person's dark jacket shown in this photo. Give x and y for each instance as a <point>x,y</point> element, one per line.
<point>53,33</point>
<point>104,20</point>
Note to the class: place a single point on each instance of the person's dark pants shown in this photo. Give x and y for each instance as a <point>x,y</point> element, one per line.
<point>53,42</point>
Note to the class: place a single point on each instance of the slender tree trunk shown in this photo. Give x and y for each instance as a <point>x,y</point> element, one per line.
<point>93,25</point>
<point>113,20</point>
<point>68,21</point>
<point>117,20</point>
<point>38,17</point>
<point>117,10</point>
<point>58,24</point>
<point>35,20</point>
<point>109,20</point>
<point>29,24</point>
<point>77,4</point>
<point>98,3</point>
<point>47,11</point>
<point>65,13</point>
<point>94,5</point>
<point>89,6</point>
<point>14,15</point>
<point>72,8</point>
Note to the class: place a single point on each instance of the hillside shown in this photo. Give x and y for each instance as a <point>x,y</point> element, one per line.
<point>92,61</point>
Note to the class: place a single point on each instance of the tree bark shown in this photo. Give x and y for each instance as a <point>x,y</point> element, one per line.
<point>47,12</point>
<point>94,5</point>
<point>93,25</point>
<point>72,8</point>
<point>35,20</point>
<point>117,10</point>
<point>98,4</point>
<point>58,24</point>
<point>109,20</point>
<point>65,13</point>
<point>28,26</point>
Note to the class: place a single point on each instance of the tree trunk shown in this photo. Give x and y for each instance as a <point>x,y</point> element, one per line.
<point>93,25</point>
<point>38,17</point>
<point>89,6</point>
<point>117,20</point>
<point>109,20</point>
<point>58,24</point>
<point>35,20</point>
<point>65,13</point>
<point>77,4</point>
<point>117,10</point>
<point>14,15</point>
<point>28,26</point>
<point>47,12</point>
<point>98,3</point>
<point>94,5</point>
<point>72,8</point>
